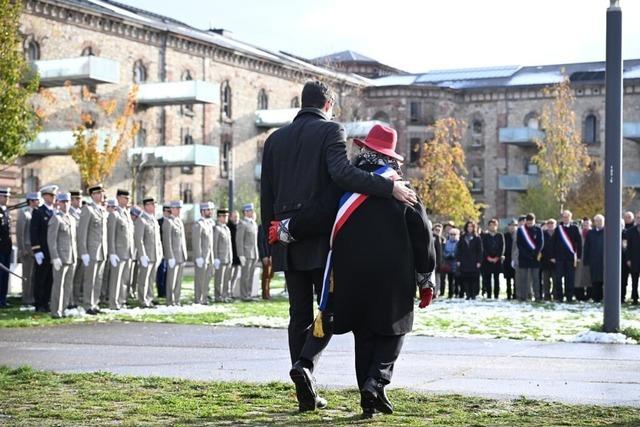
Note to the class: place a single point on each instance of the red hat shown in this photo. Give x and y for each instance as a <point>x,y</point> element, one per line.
<point>381,139</point>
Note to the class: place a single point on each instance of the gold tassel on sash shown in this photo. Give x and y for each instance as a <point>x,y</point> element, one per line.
<point>318,329</point>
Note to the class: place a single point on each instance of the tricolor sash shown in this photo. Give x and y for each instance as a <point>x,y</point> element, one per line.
<point>527,237</point>
<point>348,204</point>
<point>565,239</point>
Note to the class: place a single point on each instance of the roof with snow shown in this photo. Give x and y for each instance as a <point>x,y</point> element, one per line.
<point>344,56</point>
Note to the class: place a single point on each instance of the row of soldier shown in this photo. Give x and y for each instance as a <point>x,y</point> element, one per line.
<point>80,254</point>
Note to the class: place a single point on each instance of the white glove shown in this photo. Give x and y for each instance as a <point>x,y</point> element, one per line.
<point>85,259</point>
<point>39,256</point>
<point>144,261</point>
<point>57,263</point>
<point>200,262</point>
<point>243,260</point>
<point>172,262</point>
<point>216,264</point>
<point>115,259</point>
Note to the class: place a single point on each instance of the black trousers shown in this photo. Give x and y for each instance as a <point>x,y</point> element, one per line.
<point>486,283</point>
<point>470,283</point>
<point>624,280</point>
<point>452,284</point>
<point>634,286</point>
<point>596,292</point>
<point>302,344</point>
<point>5,260</point>
<point>43,280</point>
<point>375,355</point>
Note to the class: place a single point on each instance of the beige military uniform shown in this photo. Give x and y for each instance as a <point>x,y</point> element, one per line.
<point>202,240</point>
<point>120,243</point>
<point>175,247</point>
<point>61,238</point>
<point>76,297</point>
<point>148,244</point>
<point>25,254</point>
<point>92,240</point>
<point>223,258</point>
<point>247,249</point>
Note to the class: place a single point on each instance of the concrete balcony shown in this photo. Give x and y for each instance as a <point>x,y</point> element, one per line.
<point>174,155</point>
<point>58,143</point>
<point>84,70</point>
<point>275,118</point>
<point>631,179</point>
<point>631,130</point>
<point>257,172</point>
<point>517,182</point>
<point>523,136</point>
<point>179,93</point>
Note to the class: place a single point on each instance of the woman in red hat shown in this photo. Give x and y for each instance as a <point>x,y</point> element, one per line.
<point>381,250</point>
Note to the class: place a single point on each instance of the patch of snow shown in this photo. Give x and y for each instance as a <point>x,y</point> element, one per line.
<point>602,338</point>
<point>259,321</point>
<point>169,310</point>
<point>536,78</point>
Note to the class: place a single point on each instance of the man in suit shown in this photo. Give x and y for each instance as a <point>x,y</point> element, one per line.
<point>175,252</point>
<point>567,251</point>
<point>530,241</point>
<point>120,244</point>
<point>629,222</point>
<point>223,251</point>
<point>149,251</point>
<point>236,265</point>
<point>23,240</point>
<point>161,273</point>
<point>43,278</point>
<point>203,255</point>
<point>61,237</point>
<point>633,256</point>
<point>314,140</point>
<point>247,247</point>
<point>5,244</point>
<point>507,267</point>
<point>75,210</point>
<point>92,247</point>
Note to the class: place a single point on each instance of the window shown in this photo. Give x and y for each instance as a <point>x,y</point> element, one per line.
<point>187,139</point>
<point>476,179</point>
<point>590,133</point>
<point>295,102</point>
<point>415,147</point>
<point>186,194</point>
<point>87,51</point>
<point>225,158</point>
<point>225,105</point>
<point>530,167</point>
<point>263,100</point>
<point>139,72</point>
<point>477,132</point>
<point>187,109</point>
<point>32,50</point>
<point>531,121</point>
<point>381,116</point>
<point>141,136</point>
<point>31,180</point>
<point>414,112</point>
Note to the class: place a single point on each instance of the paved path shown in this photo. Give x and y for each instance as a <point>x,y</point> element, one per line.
<point>575,373</point>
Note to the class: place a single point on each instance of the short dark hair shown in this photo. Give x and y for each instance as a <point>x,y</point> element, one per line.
<point>493,221</point>
<point>315,94</point>
<point>531,217</point>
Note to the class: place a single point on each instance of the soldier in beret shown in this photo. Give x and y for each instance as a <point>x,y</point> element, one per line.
<point>61,237</point>
<point>43,278</point>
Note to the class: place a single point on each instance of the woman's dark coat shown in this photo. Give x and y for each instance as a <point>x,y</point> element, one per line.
<point>469,255</point>
<point>594,254</point>
<point>492,246</point>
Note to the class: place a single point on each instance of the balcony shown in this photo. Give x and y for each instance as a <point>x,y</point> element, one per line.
<point>524,136</point>
<point>175,155</point>
<point>257,172</point>
<point>275,118</point>
<point>517,182</point>
<point>631,130</point>
<point>58,143</point>
<point>178,93</point>
<point>631,179</point>
<point>84,70</point>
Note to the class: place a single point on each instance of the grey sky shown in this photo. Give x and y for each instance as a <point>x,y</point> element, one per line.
<point>418,35</point>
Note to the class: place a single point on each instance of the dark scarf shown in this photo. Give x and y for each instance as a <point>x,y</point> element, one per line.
<point>368,157</point>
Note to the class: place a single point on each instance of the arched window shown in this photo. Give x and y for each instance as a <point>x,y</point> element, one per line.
<point>295,102</point>
<point>187,139</point>
<point>32,50</point>
<point>139,72</point>
<point>590,132</point>
<point>186,75</point>
<point>87,51</point>
<point>225,104</point>
<point>477,132</point>
<point>381,116</point>
<point>263,100</point>
<point>187,109</point>
<point>186,193</point>
<point>476,179</point>
<point>531,121</point>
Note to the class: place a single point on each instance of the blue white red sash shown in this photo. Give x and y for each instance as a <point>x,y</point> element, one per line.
<point>565,239</point>
<point>527,237</point>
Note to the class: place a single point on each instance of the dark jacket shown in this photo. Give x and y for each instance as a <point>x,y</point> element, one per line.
<point>594,254</point>
<point>438,241</point>
<point>233,228</point>
<point>299,162</point>
<point>5,232</point>
<point>547,253</point>
<point>560,250</point>
<point>469,254</point>
<point>492,246</point>
<point>264,249</point>
<point>527,256</point>
<point>633,248</point>
<point>509,271</point>
<point>38,229</point>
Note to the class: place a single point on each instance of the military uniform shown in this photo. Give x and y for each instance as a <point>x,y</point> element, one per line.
<point>175,248</point>
<point>203,255</point>
<point>92,246</point>
<point>5,248</point>
<point>61,238</point>
<point>76,297</point>
<point>25,254</point>
<point>149,252</point>
<point>223,259</point>
<point>247,247</point>
<point>43,278</point>
<point>132,281</point>
<point>120,244</point>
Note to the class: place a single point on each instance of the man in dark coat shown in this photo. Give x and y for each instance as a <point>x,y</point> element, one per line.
<point>509,271</point>
<point>236,265</point>
<point>161,274</point>
<point>547,268</point>
<point>438,241</point>
<point>469,259</point>
<point>299,163</point>
<point>5,245</point>
<point>594,257</point>
<point>629,222</point>
<point>633,256</point>
<point>567,250</point>
<point>493,254</point>
<point>43,275</point>
<point>530,241</point>
<point>264,251</point>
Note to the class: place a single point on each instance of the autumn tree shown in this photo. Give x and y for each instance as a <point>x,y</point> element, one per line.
<point>19,121</point>
<point>536,199</point>
<point>562,158</point>
<point>442,185</point>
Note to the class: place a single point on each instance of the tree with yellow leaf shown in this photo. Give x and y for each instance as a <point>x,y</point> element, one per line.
<point>442,185</point>
<point>562,158</point>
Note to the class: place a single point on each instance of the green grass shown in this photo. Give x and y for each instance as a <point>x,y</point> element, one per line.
<point>37,398</point>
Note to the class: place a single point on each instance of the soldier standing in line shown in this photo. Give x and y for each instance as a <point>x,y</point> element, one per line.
<point>110,205</point>
<point>202,240</point>
<point>132,280</point>
<point>74,210</point>
<point>175,252</point>
<point>38,231</point>
<point>161,274</point>
<point>5,245</point>
<point>23,240</point>
<point>223,256</point>
<point>120,244</point>
<point>92,246</point>
<point>149,251</point>
<point>234,218</point>
<point>61,237</point>
<point>247,247</point>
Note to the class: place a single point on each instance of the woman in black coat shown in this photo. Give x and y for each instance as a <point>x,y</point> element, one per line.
<point>469,259</point>
<point>594,256</point>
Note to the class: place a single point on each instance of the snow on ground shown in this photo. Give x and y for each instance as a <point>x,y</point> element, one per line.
<point>602,338</point>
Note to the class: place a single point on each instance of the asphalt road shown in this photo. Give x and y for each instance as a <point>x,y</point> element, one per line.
<point>606,374</point>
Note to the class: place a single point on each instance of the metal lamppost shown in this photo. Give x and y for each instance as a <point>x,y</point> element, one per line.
<point>613,169</point>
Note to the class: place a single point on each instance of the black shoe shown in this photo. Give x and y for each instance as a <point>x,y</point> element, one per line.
<point>368,413</point>
<point>92,312</point>
<point>373,396</point>
<point>305,388</point>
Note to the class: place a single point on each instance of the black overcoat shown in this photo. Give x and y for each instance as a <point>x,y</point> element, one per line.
<point>469,254</point>
<point>492,246</point>
<point>509,271</point>
<point>560,250</point>
<point>633,248</point>
<point>547,253</point>
<point>594,254</point>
